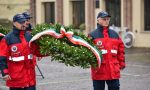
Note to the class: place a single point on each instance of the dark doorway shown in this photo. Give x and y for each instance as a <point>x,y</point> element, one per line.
<point>49,12</point>
<point>147,15</point>
<point>113,7</point>
<point>78,13</point>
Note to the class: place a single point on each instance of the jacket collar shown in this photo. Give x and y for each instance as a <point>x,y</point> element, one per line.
<point>100,27</point>
<point>17,31</point>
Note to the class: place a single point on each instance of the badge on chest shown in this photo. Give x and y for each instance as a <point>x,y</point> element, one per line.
<point>99,44</point>
<point>14,48</point>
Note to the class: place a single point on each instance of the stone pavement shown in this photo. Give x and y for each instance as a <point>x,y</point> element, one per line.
<point>136,76</point>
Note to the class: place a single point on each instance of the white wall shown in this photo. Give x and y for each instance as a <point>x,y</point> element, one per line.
<point>9,8</point>
<point>141,37</point>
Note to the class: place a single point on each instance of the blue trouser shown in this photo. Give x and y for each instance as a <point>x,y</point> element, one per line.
<point>112,84</point>
<point>26,88</point>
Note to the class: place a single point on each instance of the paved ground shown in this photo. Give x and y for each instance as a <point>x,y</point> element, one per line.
<point>136,76</point>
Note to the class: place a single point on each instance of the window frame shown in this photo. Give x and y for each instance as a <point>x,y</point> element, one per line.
<point>146,15</point>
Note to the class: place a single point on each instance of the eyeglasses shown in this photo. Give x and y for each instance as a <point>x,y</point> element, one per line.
<point>106,19</point>
<point>28,20</point>
<point>22,22</point>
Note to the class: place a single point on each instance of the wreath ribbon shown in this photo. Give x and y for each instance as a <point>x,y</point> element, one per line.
<point>72,38</point>
<point>2,34</point>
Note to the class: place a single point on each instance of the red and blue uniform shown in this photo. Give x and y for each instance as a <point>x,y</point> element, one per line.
<point>112,47</point>
<point>16,59</point>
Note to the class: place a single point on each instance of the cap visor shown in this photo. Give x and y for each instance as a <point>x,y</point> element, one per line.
<point>21,20</point>
<point>105,16</point>
<point>28,17</point>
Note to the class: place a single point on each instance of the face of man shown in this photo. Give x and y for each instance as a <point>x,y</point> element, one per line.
<point>20,26</point>
<point>28,21</point>
<point>103,21</point>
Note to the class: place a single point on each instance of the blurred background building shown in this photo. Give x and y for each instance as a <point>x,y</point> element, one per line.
<point>8,8</point>
<point>133,14</point>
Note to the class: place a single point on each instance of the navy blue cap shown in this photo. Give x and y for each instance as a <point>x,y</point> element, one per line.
<point>27,15</point>
<point>19,18</point>
<point>103,14</point>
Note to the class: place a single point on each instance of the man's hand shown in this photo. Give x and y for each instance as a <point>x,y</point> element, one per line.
<point>122,68</point>
<point>6,77</point>
<point>39,58</point>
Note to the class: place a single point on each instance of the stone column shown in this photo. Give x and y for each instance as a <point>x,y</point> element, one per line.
<point>33,11</point>
<point>127,10</point>
<point>59,11</point>
<point>89,15</point>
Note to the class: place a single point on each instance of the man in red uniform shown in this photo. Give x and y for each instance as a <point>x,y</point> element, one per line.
<point>16,57</point>
<point>113,59</point>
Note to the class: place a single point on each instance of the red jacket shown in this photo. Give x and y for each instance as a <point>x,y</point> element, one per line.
<point>17,60</point>
<point>112,49</point>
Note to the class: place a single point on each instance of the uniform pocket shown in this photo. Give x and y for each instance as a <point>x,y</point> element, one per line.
<point>116,67</point>
<point>114,52</point>
<point>16,70</point>
<point>114,56</point>
<point>102,69</point>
